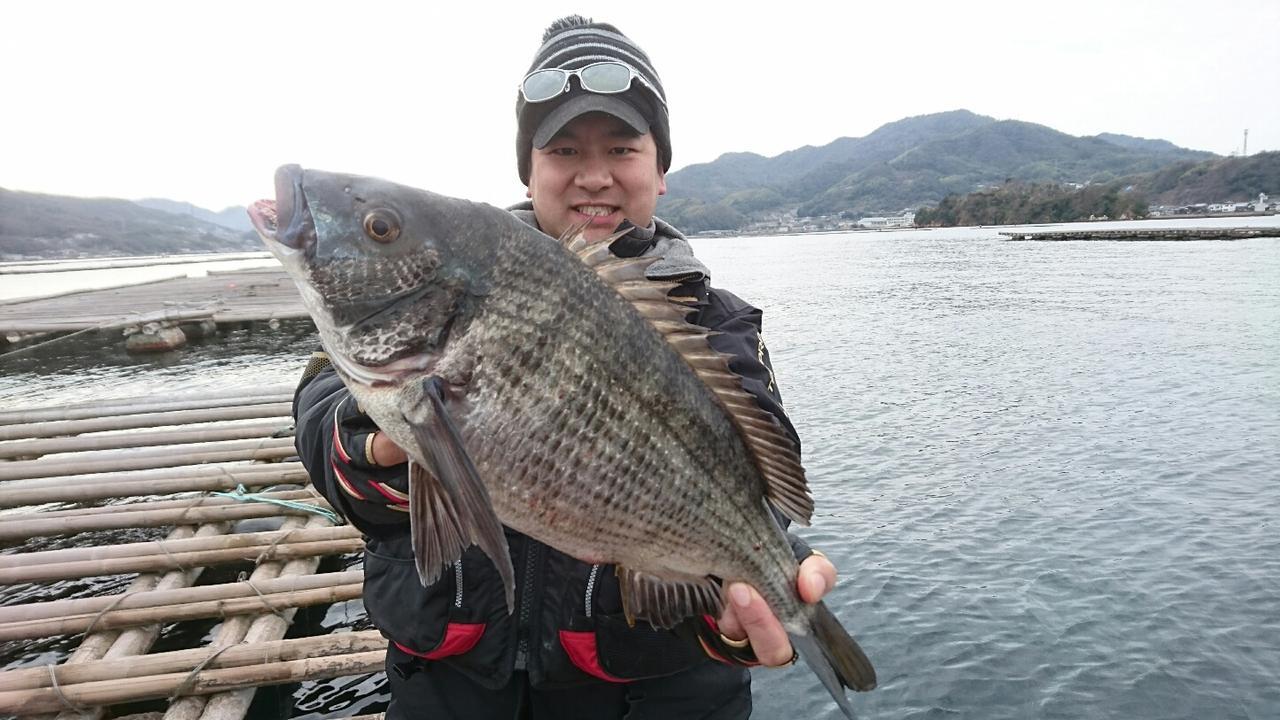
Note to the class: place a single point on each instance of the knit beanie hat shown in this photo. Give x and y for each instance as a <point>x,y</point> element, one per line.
<point>575,42</point>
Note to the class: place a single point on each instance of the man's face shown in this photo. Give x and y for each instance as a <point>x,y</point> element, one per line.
<point>596,169</point>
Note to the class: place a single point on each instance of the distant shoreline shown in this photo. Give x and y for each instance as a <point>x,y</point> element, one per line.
<point>792,233</point>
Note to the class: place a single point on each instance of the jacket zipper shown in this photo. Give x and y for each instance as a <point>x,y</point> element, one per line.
<point>591,587</point>
<point>457,583</point>
<point>526,585</point>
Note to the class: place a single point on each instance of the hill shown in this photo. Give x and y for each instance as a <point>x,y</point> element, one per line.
<point>1218,180</point>
<point>1013,203</point>
<point>234,218</point>
<point>908,163</point>
<point>35,225</point>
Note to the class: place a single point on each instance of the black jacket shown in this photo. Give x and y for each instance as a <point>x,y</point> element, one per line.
<point>568,628</point>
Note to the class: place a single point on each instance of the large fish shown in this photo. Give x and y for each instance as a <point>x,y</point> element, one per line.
<point>549,386</point>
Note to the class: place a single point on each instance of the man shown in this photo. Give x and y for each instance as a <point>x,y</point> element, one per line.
<point>593,146</point>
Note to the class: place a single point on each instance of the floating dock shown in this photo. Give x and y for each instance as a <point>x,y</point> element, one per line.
<point>1153,234</point>
<point>146,466</point>
<point>190,304</point>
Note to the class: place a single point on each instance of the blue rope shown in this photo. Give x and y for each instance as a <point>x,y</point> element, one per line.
<point>242,495</point>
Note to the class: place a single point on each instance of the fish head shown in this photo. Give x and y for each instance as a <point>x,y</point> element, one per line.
<point>385,270</point>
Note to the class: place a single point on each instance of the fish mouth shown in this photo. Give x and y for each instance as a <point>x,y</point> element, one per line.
<point>298,231</point>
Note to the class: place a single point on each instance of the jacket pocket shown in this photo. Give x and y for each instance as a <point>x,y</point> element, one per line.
<point>599,642</point>
<point>414,617</point>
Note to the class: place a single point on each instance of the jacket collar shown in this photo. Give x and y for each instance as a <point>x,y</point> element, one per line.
<point>676,259</point>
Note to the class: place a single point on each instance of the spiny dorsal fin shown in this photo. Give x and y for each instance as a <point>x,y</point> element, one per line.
<point>771,448</point>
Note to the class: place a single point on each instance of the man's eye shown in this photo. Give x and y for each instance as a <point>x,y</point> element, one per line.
<point>563,151</point>
<point>623,150</point>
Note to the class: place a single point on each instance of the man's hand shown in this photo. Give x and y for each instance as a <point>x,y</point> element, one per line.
<point>385,453</point>
<point>746,615</point>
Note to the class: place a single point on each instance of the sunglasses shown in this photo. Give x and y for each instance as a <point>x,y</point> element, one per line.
<point>603,78</point>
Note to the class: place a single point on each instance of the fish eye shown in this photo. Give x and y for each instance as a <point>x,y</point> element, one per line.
<point>382,226</point>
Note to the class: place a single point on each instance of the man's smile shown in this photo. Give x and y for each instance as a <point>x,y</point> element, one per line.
<point>596,211</point>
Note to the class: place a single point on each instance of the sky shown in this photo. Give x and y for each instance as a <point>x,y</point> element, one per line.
<point>201,101</point>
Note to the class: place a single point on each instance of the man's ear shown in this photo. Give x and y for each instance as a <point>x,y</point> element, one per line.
<point>662,183</point>
<point>528,192</point>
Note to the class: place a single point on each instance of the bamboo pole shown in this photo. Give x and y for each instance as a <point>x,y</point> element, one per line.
<point>137,406</point>
<point>124,645</point>
<point>214,393</point>
<point>154,563</point>
<point>110,692</point>
<point>36,447</point>
<point>177,547</point>
<point>85,492</point>
<point>93,456</point>
<point>148,475</point>
<point>118,520</point>
<point>114,644</point>
<point>178,612</point>
<point>243,628</point>
<point>161,598</point>
<point>146,506</point>
<point>265,450</point>
<point>186,660</point>
<point>142,420</point>
<point>163,547</point>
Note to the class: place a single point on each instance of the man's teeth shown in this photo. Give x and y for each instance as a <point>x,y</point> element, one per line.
<point>596,210</point>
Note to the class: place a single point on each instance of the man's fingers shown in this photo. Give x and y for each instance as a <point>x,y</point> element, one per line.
<point>729,625</point>
<point>757,621</point>
<point>817,577</point>
<point>747,615</point>
<point>385,453</point>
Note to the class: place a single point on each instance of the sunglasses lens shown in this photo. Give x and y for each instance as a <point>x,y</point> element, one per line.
<point>605,78</point>
<point>544,85</point>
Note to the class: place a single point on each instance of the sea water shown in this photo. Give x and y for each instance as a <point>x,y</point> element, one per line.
<point>1048,472</point>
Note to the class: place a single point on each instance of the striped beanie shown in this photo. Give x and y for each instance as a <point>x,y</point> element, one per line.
<point>574,42</point>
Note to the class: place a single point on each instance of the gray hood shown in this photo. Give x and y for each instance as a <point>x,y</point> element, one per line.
<point>677,263</point>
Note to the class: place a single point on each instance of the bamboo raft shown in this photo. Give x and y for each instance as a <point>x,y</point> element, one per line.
<point>1153,234</point>
<point>132,465</point>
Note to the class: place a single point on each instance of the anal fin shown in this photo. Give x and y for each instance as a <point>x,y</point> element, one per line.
<point>449,508</point>
<point>664,603</point>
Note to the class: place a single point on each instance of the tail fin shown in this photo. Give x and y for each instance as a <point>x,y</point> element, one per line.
<point>835,657</point>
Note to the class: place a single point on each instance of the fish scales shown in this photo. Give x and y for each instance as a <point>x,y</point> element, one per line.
<point>528,391</point>
<point>620,407</point>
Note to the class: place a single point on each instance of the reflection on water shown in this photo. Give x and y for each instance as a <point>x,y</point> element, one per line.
<point>1045,470</point>
<point>90,367</point>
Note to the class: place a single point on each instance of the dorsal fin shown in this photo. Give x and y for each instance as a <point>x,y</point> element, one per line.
<point>772,450</point>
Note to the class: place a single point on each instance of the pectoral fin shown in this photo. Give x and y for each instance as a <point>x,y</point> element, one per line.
<point>449,508</point>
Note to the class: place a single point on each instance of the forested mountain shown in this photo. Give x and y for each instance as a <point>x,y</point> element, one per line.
<point>909,163</point>
<point>1219,180</point>
<point>35,225</point>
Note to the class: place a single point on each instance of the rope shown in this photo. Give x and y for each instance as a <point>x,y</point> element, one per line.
<point>42,343</point>
<point>66,701</point>
<point>266,603</point>
<point>110,606</point>
<point>112,324</point>
<point>242,495</point>
<point>190,681</point>
<point>176,562</point>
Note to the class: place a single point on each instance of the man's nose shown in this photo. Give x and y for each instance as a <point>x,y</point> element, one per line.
<point>594,174</point>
